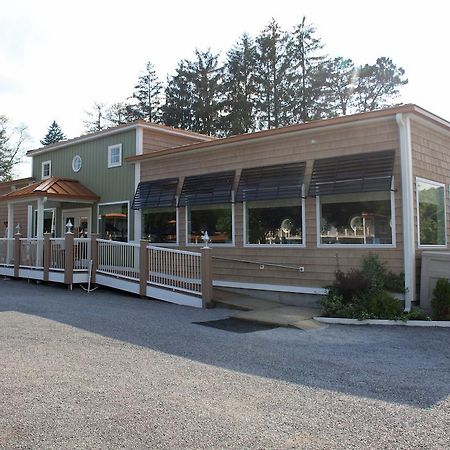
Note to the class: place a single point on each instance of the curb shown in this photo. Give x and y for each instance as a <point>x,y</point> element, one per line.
<point>408,323</point>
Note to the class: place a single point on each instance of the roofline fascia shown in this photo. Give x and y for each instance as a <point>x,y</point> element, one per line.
<point>17,181</point>
<point>389,113</point>
<point>259,138</point>
<point>113,131</point>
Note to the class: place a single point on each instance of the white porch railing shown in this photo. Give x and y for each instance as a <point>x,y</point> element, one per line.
<point>31,253</point>
<point>81,254</point>
<point>175,269</point>
<point>7,252</point>
<point>57,254</point>
<point>120,259</point>
<point>176,276</point>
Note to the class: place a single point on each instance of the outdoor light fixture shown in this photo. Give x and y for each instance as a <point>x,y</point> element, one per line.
<point>205,238</point>
<point>69,226</point>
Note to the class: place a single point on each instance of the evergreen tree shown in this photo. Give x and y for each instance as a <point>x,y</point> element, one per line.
<point>54,134</point>
<point>240,87</point>
<point>11,142</point>
<point>341,82</point>
<point>178,108</point>
<point>118,114</point>
<point>271,76</point>
<point>205,75</point>
<point>96,118</point>
<point>306,74</point>
<point>147,94</point>
<point>378,84</point>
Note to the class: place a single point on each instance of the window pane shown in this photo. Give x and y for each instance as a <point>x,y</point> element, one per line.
<point>431,213</point>
<point>217,220</point>
<point>274,222</point>
<point>159,225</point>
<point>114,222</point>
<point>363,218</point>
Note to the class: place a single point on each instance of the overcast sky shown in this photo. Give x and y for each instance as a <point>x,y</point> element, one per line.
<point>57,57</point>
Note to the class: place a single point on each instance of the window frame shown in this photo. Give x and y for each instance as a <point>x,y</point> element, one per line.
<point>438,184</point>
<point>210,244</point>
<point>73,163</point>
<point>363,246</point>
<point>303,218</point>
<point>110,150</point>
<point>115,203</point>
<point>49,164</point>
<point>165,244</point>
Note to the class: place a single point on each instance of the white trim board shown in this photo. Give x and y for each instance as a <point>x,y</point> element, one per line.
<point>271,287</point>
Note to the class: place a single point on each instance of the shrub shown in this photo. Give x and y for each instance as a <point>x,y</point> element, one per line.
<point>395,282</point>
<point>375,272</point>
<point>440,303</point>
<point>417,314</point>
<point>334,305</point>
<point>351,285</point>
<point>385,306</point>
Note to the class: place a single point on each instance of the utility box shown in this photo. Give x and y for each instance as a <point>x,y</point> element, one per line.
<point>435,265</point>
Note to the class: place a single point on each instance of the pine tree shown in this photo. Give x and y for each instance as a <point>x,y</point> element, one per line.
<point>118,114</point>
<point>178,108</point>
<point>11,142</point>
<point>96,118</point>
<point>205,75</point>
<point>240,87</point>
<point>307,74</point>
<point>378,84</point>
<point>341,82</point>
<point>54,134</point>
<point>271,76</point>
<point>147,94</point>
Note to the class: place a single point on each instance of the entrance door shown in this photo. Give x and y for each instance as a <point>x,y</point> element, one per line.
<point>80,219</point>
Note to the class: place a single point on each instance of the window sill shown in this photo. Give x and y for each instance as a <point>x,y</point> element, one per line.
<point>274,245</point>
<point>380,246</point>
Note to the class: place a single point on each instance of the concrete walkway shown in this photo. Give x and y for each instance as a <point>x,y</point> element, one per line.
<point>265,311</point>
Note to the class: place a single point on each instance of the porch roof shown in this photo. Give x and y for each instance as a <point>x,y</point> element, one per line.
<point>56,188</point>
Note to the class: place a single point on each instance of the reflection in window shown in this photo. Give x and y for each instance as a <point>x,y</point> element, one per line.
<point>216,220</point>
<point>359,218</point>
<point>274,222</point>
<point>113,222</point>
<point>159,225</point>
<point>431,214</point>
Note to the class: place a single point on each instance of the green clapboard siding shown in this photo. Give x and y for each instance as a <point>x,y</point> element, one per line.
<point>111,185</point>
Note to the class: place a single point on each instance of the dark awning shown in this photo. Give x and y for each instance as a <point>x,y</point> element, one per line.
<point>210,189</point>
<point>366,172</point>
<point>271,182</point>
<point>152,194</point>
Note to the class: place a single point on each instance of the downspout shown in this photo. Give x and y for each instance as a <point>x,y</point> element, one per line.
<point>409,245</point>
<point>137,179</point>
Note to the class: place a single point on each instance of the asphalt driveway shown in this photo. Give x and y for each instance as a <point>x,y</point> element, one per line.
<point>109,371</point>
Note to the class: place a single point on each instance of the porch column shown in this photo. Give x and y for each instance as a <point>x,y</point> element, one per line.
<point>40,231</point>
<point>10,220</point>
<point>10,234</point>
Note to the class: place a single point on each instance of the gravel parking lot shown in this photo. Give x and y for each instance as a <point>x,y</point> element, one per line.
<point>109,371</point>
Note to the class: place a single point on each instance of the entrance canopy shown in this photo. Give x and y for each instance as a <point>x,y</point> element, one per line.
<point>55,188</point>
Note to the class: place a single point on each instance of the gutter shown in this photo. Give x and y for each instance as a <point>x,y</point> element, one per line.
<point>409,244</point>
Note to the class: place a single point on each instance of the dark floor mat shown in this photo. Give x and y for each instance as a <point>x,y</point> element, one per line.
<point>237,325</point>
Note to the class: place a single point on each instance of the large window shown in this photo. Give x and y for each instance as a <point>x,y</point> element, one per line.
<point>431,213</point>
<point>357,218</point>
<point>113,221</point>
<point>159,225</point>
<point>216,220</point>
<point>274,222</point>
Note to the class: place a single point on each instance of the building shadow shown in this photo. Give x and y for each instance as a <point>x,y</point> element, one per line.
<point>402,365</point>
